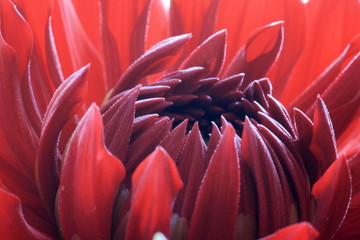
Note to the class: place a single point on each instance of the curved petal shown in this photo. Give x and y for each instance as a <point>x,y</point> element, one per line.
<point>152,61</point>
<point>210,55</point>
<point>156,181</point>
<point>298,231</point>
<point>66,101</point>
<point>332,193</point>
<point>259,53</point>
<point>13,225</point>
<point>89,181</point>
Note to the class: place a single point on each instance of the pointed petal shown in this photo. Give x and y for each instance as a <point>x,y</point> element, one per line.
<point>269,191</point>
<point>118,122</point>
<point>140,147</point>
<point>174,141</point>
<point>323,144</point>
<point>332,193</point>
<point>259,53</point>
<point>191,167</point>
<point>152,61</point>
<point>89,181</point>
<point>13,224</point>
<point>66,101</point>
<point>210,55</point>
<point>155,182</point>
<point>298,231</point>
<point>218,198</point>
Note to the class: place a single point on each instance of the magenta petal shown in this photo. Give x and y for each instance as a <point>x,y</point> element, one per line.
<point>89,181</point>
<point>218,198</point>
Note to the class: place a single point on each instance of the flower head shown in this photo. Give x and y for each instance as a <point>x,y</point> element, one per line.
<point>177,129</point>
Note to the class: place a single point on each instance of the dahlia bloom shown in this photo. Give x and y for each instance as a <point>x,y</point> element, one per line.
<point>212,119</point>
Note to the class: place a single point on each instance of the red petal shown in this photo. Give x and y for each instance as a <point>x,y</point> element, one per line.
<point>154,60</point>
<point>156,181</point>
<point>338,21</point>
<point>66,101</point>
<point>350,227</point>
<point>122,19</point>
<point>191,167</point>
<point>192,17</point>
<point>77,50</point>
<point>323,144</point>
<point>269,189</point>
<point>305,101</point>
<point>299,231</point>
<point>332,193</point>
<point>13,225</point>
<point>210,55</point>
<point>15,126</point>
<point>141,146</point>
<point>43,75</point>
<point>173,142</point>
<point>259,53</point>
<point>89,181</point>
<point>218,198</point>
<point>10,18</point>
<point>118,122</point>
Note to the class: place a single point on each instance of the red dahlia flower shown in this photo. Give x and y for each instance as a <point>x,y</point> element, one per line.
<point>182,138</point>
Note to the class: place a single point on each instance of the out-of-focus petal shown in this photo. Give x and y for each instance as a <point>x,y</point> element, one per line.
<point>76,49</point>
<point>153,61</point>
<point>332,25</point>
<point>45,73</point>
<point>350,227</point>
<point>126,22</point>
<point>66,101</point>
<point>210,55</point>
<point>218,198</point>
<point>298,231</point>
<point>155,183</point>
<point>349,141</point>
<point>15,126</point>
<point>89,181</point>
<point>10,18</point>
<point>258,54</point>
<point>174,141</point>
<point>193,17</point>
<point>13,225</point>
<point>305,100</point>
<point>332,193</point>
